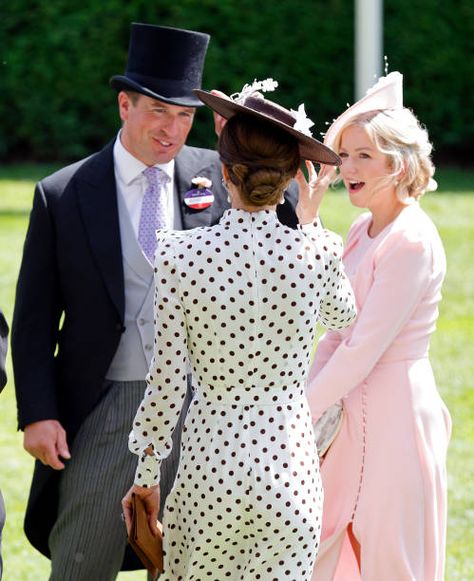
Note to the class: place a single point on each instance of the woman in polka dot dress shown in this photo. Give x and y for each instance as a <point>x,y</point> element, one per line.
<point>241,301</point>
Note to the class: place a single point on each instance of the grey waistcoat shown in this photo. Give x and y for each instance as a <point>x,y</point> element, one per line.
<point>133,356</point>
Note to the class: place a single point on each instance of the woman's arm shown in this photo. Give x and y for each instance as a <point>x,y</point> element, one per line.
<point>337,304</point>
<point>337,301</point>
<point>159,411</point>
<point>401,276</point>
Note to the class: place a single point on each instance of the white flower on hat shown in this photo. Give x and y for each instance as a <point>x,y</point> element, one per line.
<point>303,122</point>
<point>266,86</point>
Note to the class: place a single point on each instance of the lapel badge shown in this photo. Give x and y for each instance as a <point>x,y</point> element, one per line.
<point>200,196</point>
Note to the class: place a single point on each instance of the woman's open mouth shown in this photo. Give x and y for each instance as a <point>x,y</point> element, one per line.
<point>355,186</point>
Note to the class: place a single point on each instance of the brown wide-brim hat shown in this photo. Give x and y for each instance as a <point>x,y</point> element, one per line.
<point>257,106</point>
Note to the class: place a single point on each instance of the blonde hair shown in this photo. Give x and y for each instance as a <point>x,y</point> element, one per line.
<point>399,135</point>
<point>261,159</point>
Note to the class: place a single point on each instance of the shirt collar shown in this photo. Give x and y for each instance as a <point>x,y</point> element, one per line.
<point>130,168</point>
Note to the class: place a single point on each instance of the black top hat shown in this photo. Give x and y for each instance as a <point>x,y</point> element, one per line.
<point>164,63</point>
<point>256,105</point>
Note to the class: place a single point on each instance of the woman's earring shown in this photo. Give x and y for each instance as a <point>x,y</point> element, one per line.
<point>224,183</point>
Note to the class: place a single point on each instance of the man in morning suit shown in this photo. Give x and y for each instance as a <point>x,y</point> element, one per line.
<point>82,332</point>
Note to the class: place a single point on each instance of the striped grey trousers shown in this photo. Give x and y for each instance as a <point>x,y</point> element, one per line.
<point>89,538</point>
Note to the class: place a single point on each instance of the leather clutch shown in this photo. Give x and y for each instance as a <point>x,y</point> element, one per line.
<point>149,548</point>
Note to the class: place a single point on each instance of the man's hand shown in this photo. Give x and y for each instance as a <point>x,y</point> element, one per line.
<point>219,121</point>
<point>46,441</point>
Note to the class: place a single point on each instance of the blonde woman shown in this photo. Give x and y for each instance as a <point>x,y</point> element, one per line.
<point>385,474</point>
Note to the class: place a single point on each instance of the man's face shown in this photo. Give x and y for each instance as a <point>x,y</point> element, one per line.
<point>153,131</point>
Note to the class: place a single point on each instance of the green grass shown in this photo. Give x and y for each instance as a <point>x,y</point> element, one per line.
<point>452,209</point>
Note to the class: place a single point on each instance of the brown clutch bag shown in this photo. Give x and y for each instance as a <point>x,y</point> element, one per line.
<point>148,547</point>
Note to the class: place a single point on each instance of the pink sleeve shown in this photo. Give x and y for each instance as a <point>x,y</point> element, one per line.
<point>401,274</point>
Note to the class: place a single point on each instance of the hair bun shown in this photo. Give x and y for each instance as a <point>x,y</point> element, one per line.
<point>261,159</point>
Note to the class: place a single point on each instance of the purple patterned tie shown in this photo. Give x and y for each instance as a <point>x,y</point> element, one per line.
<point>153,214</point>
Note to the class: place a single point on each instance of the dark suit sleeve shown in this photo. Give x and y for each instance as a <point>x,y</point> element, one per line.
<point>286,212</point>
<point>36,318</point>
<point>3,350</point>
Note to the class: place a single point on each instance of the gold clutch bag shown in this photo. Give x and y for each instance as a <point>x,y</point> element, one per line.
<point>149,548</point>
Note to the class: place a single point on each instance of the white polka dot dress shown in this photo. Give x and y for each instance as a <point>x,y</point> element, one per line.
<point>241,300</point>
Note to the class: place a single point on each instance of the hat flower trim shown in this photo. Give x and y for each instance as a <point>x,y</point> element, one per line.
<point>265,86</point>
<point>201,182</point>
<point>303,122</point>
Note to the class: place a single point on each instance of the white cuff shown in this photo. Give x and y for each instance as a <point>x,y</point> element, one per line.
<point>148,471</point>
<point>316,223</point>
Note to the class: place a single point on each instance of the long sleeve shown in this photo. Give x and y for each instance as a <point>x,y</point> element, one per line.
<point>159,410</point>
<point>401,275</point>
<point>338,306</point>
<point>36,318</point>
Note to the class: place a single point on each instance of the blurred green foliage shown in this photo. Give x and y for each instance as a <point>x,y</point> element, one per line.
<point>57,58</point>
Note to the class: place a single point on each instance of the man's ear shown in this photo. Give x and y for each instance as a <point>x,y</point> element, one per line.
<point>124,104</point>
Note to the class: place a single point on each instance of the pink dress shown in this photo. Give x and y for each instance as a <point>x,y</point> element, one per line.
<point>386,471</point>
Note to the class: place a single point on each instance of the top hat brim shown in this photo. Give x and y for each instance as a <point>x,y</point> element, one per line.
<point>310,148</point>
<point>123,83</point>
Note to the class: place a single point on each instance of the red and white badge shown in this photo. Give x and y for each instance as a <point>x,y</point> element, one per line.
<point>200,197</point>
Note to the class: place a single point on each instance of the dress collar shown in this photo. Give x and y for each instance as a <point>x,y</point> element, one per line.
<point>242,218</point>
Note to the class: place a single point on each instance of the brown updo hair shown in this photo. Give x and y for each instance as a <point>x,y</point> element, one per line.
<point>261,159</point>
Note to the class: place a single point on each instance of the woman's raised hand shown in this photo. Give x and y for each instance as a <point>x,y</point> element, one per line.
<point>311,191</point>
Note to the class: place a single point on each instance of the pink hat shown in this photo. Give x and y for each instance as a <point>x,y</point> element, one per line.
<point>387,93</point>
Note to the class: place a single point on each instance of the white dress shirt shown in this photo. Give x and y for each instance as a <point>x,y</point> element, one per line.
<point>131,184</point>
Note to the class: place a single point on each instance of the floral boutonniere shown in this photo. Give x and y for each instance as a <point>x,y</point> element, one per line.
<point>199,196</point>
